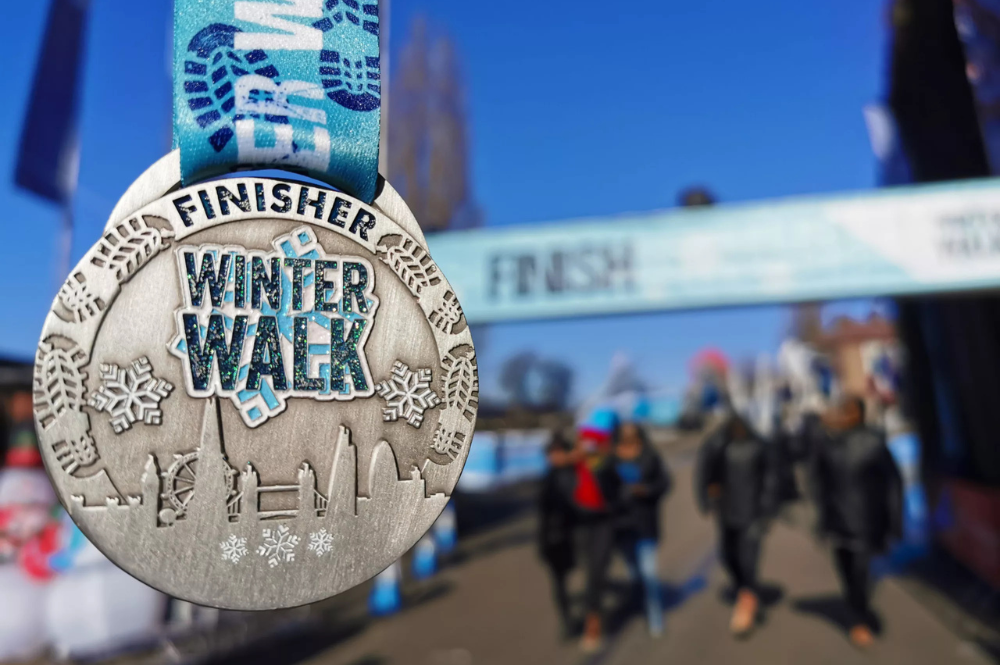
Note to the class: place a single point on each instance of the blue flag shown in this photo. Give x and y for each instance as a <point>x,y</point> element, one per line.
<point>47,156</point>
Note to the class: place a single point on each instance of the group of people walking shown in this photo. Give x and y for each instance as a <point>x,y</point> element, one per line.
<point>601,494</point>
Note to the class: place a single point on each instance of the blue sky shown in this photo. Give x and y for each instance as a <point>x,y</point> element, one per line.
<point>578,109</point>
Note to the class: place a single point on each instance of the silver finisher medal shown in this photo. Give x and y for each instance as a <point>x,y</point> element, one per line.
<point>255,393</point>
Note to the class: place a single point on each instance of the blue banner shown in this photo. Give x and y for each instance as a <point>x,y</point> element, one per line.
<point>293,85</point>
<point>920,239</point>
<point>47,157</point>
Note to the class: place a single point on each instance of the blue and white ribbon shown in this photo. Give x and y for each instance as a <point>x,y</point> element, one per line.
<point>289,84</point>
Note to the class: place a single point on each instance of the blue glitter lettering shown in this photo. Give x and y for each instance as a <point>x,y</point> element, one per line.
<point>265,343</point>
<point>225,196</point>
<point>344,355</point>
<point>323,287</point>
<point>301,379</point>
<point>216,281</point>
<point>240,279</point>
<point>259,279</point>
<point>297,266</point>
<point>228,358</point>
<point>354,291</point>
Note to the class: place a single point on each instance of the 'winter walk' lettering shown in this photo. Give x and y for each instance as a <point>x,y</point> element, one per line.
<point>289,322</point>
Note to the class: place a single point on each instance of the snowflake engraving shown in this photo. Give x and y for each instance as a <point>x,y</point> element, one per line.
<point>407,394</point>
<point>320,542</point>
<point>130,394</point>
<point>279,546</point>
<point>233,549</point>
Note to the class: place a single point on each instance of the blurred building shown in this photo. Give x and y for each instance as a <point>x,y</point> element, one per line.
<point>862,353</point>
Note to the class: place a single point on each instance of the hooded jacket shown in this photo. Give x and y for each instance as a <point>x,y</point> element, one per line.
<point>746,471</point>
<point>857,488</point>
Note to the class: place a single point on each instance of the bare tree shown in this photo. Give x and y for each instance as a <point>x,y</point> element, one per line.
<point>533,382</point>
<point>428,132</point>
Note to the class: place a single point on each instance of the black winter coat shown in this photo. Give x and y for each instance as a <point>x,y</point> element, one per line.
<point>746,470</point>
<point>857,488</point>
<point>639,514</point>
<point>557,517</point>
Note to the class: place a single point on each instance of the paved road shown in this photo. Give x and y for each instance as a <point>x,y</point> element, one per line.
<point>492,606</point>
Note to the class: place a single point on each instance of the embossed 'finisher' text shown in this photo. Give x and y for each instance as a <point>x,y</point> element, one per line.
<point>273,198</point>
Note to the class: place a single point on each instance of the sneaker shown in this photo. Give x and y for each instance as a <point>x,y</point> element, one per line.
<point>592,639</point>
<point>861,636</point>
<point>744,614</point>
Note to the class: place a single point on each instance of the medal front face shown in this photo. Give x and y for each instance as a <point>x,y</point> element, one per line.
<point>255,393</point>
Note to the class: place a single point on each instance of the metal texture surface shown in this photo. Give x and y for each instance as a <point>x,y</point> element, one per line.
<point>282,473</point>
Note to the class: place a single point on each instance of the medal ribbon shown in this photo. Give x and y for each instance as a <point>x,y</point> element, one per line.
<point>288,84</point>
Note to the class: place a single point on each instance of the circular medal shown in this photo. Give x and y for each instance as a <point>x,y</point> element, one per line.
<point>255,393</point>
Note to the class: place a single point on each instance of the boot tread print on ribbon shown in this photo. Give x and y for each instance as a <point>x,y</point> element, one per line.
<point>354,82</point>
<point>214,66</point>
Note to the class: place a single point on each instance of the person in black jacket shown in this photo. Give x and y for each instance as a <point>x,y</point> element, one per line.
<point>557,520</point>
<point>859,494</point>
<point>737,479</point>
<point>644,481</point>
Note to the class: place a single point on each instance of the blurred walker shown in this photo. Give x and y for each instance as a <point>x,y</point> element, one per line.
<point>858,491</point>
<point>737,479</point>
<point>595,495</point>
<point>644,481</point>
<point>556,524</point>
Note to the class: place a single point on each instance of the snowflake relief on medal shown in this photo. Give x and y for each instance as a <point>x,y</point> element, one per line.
<point>411,263</point>
<point>278,545</point>
<point>130,394</point>
<point>233,549</point>
<point>320,542</point>
<point>407,394</point>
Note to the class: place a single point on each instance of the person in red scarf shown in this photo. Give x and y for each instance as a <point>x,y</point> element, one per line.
<point>595,497</point>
